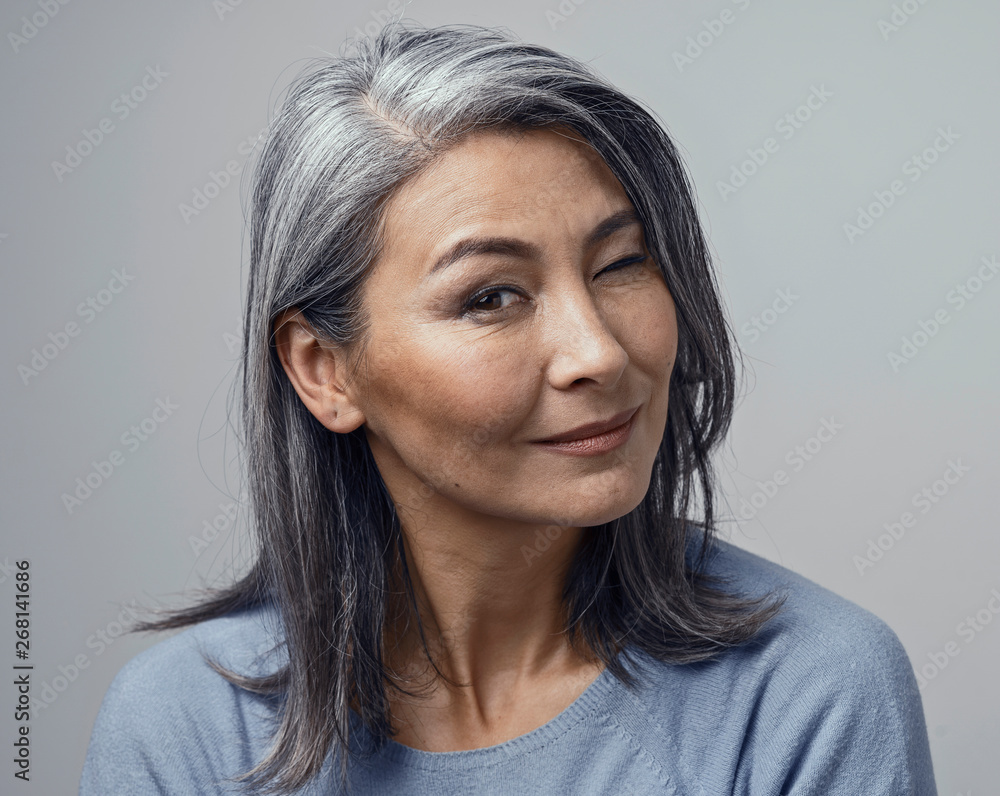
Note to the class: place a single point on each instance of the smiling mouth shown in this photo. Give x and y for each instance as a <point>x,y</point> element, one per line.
<point>588,442</point>
<point>596,429</point>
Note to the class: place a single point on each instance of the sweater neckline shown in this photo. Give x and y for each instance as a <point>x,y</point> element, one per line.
<point>587,703</point>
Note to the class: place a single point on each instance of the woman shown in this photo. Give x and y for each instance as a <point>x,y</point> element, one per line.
<point>485,365</point>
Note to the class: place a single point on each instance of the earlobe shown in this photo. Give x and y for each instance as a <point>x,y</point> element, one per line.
<point>317,371</point>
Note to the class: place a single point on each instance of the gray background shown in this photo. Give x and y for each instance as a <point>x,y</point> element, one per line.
<point>170,334</point>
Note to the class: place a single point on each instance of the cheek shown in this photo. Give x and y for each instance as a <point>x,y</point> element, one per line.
<point>448,400</point>
<point>648,330</point>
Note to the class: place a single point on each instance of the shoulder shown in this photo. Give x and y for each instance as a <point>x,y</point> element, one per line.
<point>169,721</point>
<point>244,641</point>
<point>177,670</point>
<point>814,622</point>
<point>818,637</point>
<point>823,696</point>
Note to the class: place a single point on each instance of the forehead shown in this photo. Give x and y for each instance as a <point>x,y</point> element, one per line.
<point>503,181</point>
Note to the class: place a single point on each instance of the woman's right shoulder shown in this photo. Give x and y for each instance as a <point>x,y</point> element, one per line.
<point>245,641</point>
<point>169,722</point>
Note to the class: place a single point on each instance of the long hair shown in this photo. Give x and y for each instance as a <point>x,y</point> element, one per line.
<point>348,134</point>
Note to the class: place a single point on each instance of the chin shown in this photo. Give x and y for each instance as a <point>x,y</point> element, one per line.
<point>611,510</point>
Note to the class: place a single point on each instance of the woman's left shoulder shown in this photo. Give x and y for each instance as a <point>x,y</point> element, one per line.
<point>814,623</point>
<point>822,698</point>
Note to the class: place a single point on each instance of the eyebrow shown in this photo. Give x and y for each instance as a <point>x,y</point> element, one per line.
<point>513,247</point>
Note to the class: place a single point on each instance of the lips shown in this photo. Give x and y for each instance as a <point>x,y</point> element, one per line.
<point>593,429</point>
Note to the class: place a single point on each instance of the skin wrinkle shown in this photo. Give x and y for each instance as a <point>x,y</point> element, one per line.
<point>452,407</point>
<point>325,174</point>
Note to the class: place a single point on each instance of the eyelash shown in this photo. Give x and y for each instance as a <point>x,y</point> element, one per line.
<point>470,309</point>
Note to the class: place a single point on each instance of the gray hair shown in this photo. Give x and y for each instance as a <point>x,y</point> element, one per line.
<point>350,132</point>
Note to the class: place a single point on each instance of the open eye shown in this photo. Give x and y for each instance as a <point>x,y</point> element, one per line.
<point>475,302</point>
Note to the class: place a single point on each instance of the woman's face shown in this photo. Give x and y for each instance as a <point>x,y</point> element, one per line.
<point>512,304</point>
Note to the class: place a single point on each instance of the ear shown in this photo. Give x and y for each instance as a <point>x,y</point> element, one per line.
<point>317,371</point>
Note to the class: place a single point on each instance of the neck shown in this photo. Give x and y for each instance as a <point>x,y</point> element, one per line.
<point>490,604</point>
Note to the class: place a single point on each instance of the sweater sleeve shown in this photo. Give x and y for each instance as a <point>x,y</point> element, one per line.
<point>848,719</point>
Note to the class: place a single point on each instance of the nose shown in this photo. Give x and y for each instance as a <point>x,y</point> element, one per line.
<point>584,344</point>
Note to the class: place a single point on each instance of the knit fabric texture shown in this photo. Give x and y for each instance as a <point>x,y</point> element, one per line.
<point>822,701</point>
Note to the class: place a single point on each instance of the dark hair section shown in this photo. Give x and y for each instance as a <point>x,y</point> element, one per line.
<point>350,131</point>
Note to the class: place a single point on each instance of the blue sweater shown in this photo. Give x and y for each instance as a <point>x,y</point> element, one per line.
<point>824,701</point>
